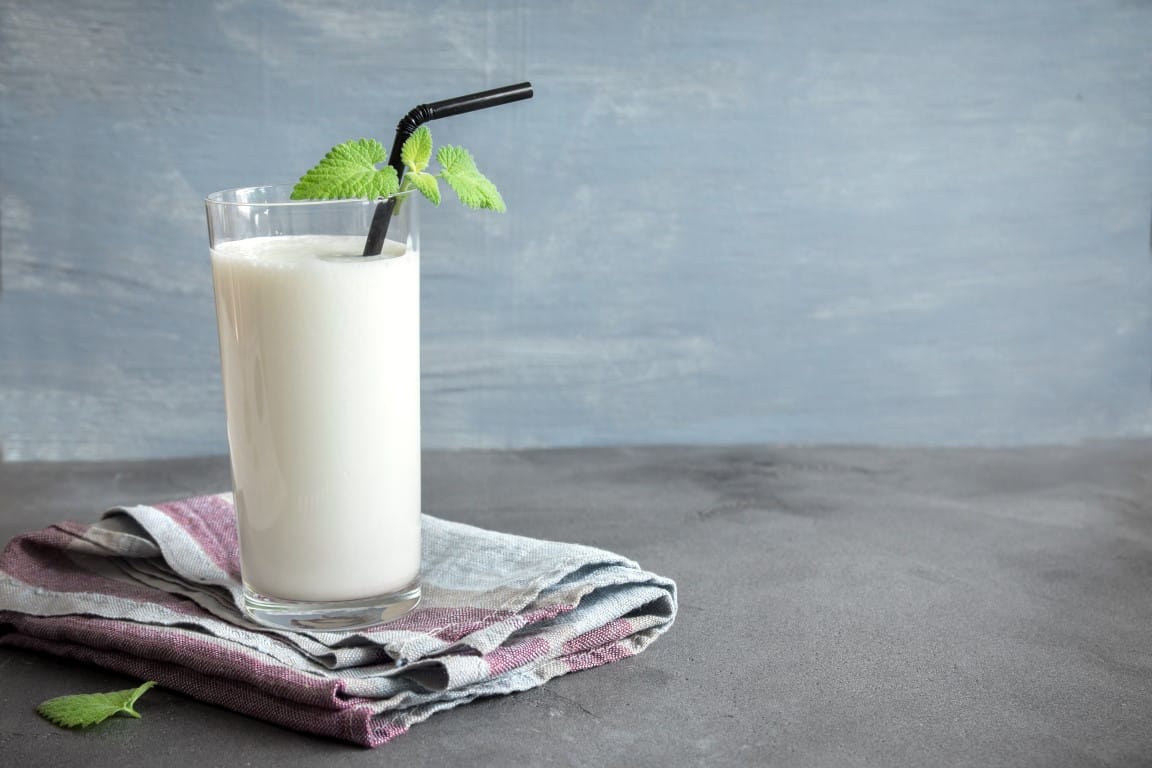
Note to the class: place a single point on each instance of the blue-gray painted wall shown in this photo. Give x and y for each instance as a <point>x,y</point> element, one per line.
<point>797,221</point>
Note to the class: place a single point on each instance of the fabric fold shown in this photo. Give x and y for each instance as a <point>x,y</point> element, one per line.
<point>154,592</point>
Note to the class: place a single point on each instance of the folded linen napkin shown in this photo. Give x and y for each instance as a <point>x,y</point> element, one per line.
<point>153,591</point>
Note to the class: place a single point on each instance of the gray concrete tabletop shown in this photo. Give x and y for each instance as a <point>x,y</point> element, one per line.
<point>838,606</point>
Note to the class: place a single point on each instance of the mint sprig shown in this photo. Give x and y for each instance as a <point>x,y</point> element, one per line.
<point>84,709</point>
<point>349,170</point>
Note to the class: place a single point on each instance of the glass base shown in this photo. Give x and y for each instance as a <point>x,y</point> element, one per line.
<point>334,616</point>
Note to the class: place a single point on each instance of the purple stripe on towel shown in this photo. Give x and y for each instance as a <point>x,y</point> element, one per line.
<point>507,658</point>
<point>598,656</point>
<point>598,646</point>
<point>41,560</point>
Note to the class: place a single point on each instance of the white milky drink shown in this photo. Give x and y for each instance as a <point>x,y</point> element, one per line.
<point>320,354</point>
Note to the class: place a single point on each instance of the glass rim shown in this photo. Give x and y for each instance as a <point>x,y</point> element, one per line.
<point>285,190</point>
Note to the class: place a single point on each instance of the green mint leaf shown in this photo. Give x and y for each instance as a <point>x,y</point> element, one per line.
<point>417,149</point>
<point>455,160</point>
<point>472,187</point>
<point>487,190</point>
<point>426,183</point>
<point>86,709</point>
<point>349,171</point>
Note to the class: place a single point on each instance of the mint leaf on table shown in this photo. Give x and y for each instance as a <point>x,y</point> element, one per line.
<point>349,171</point>
<point>82,710</point>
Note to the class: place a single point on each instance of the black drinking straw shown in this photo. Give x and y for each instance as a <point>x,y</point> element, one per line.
<point>416,117</point>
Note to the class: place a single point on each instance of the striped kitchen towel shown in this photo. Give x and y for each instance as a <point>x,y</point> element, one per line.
<point>153,592</point>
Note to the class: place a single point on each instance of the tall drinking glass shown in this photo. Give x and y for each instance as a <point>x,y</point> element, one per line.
<point>320,356</point>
